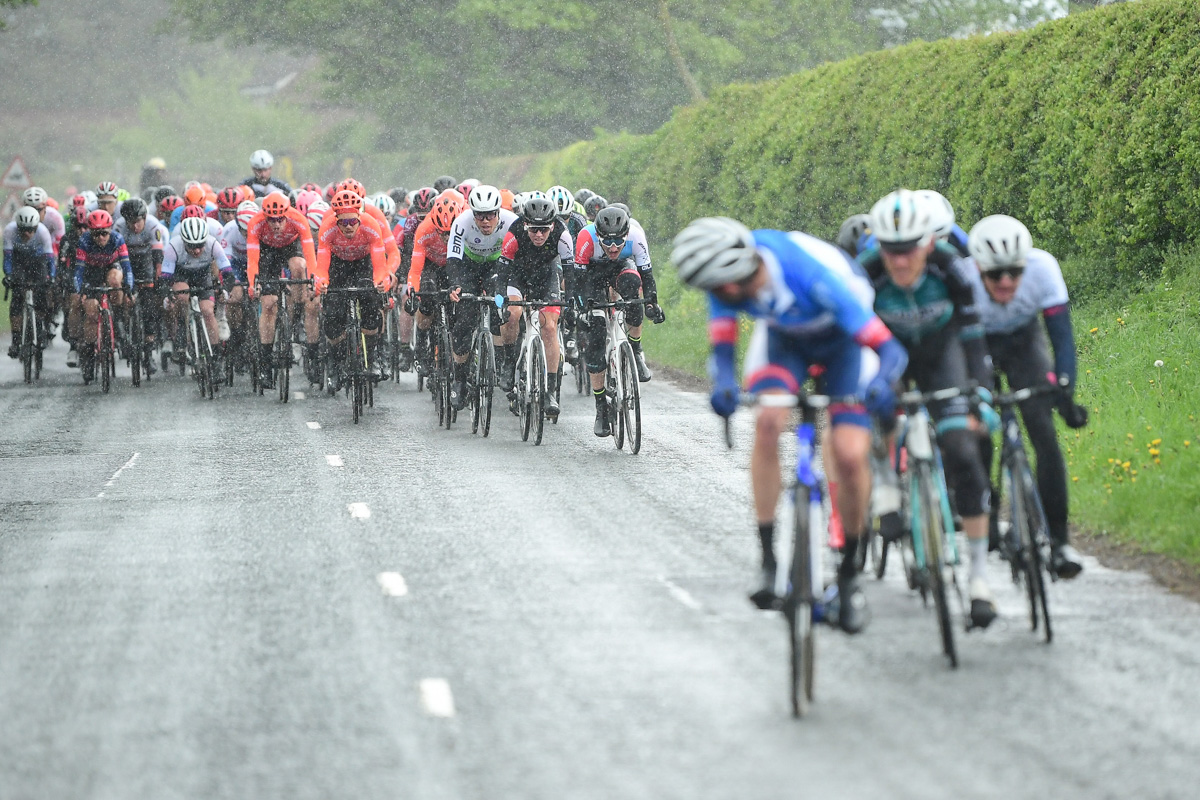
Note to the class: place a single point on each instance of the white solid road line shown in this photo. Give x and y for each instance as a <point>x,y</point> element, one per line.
<point>681,594</point>
<point>393,584</point>
<point>117,474</point>
<point>436,698</point>
<point>334,461</point>
<point>298,395</point>
<point>314,426</point>
<point>359,510</point>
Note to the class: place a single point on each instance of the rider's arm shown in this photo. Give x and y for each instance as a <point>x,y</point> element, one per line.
<point>221,260</point>
<point>381,269</point>
<point>585,248</point>
<point>48,250</point>
<point>893,358</point>
<point>641,259</point>
<point>970,325</point>
<point>417,266</point>
<point>170,255</point>
<point>123,260</point>
<point>508,251</point>
<point>306,239</point>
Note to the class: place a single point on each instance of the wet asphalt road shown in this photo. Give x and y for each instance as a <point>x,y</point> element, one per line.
<point>191,606</point>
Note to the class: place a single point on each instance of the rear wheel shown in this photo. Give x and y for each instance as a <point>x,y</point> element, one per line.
<point>798,607</point>
<point>106,345</point>
<point>631,399</point>
<point>446,368</point>
<point>282,351</point>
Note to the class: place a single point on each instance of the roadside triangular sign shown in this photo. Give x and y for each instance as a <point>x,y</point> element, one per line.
<point>16,176</point>
<point>9,209</point>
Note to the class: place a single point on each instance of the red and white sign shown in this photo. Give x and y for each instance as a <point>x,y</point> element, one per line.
<point>16,176</point>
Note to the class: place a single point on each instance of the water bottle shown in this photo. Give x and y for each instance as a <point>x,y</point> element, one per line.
<point>222,324</point>
<point>885,488</point>
<point>826,609</point>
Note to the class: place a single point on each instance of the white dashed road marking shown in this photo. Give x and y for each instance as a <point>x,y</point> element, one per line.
<point>393,584</point>
<point>681,594</point>
<point>334,461</point>
<point>436,698</point>
<point>314,426</point>
<point>298,395</point>
<point>359,510</point>
<point>117,474</point>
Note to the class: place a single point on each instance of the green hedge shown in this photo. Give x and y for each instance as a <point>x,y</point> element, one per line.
<point>1086,128</point>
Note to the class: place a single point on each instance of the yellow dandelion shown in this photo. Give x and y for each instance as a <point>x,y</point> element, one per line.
<point>1153,451</point>
<point>1093,330</point>
<point>1157,461</point>
<point>1075,479</point>
<point>1187,443</point>
<point>1156,442</point>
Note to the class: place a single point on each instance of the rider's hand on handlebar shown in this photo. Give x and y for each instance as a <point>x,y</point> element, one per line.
<point>655,313</point>
<point>411,301</point>
<point>320,285</point>
<point>455,293</point>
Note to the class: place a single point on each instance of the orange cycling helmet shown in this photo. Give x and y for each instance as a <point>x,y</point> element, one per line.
<point>346,200</point>
<point>275,204</point>
<point>228,199</point>
<point>443,214</point>
<point>194,195</point>
<point>353,186</point>
<point>192,211</point>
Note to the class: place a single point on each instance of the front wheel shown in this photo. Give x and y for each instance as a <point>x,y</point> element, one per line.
<point>798,606</point>
<point>933,538</point>
<point>630,400</point>
<point>537,393</point>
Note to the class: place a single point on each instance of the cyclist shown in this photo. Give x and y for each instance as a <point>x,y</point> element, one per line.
<point>145,237</point>
<point>107,197</point>
<point>166,210</point>
<point>923,294</point>
<point>391,251</point>
<point>610,254</point>
<point>565,208</point>
<point>28,260</point>
<point>944,227</point>
<point>405,234</point>
<point>474,249</point>
<point>233,242</point>
<point>279,239</point>
<point>812,307</point>
<point>350,253</point>
<point>194,259</point>
<point>102,259</point>
<point>228,200</point>
<point>67,249</point>
<point>1014,282</point>
<point>262,183</point>
<point>431,242</point>
<point>592,206</point>
<point>443,183</point>
<point>535,252</point>
<point>50,217</point>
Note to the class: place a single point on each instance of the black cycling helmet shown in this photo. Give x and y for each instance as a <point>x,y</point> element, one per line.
<point>612,223</point>
<point>582,195</point>
<point>133,209</point>
<point>163,192</point>
<point>621,206</point>
<point>445,182</point>
<point>851,231</point>
<point>398,195</point>
<point>593,204</point>
<point>538,211</point>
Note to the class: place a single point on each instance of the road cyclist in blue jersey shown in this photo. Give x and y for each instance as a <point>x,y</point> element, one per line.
<point>812,307</point>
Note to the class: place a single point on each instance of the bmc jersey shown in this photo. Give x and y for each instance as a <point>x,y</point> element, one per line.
<point>813,291</point>
<point>1042,288</point>
<point>467,241</point>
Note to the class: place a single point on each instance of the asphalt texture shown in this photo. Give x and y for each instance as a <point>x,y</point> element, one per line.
<point>197,601</point>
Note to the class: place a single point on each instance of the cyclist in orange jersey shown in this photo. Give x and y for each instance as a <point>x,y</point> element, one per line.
<point>350,253</point>
<point>430,242</point>
<point>389,240</point>
<point>279,240</point>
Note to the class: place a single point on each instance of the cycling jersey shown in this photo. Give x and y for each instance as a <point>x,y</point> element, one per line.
<point>260,234</point>
<point>177,215</point>
<point>28,261</point>
<point>54,223</point>
<point>92,261</point>
<point>145,248</point>
<point>518,252</point>
<point>233,242</point>
<point>428,244</point>
<point>575,222</point>
<point>179,263</point>
<point>261,190</point>
<point>1042,289</point>
<point>406,239</point>
<point>941,296</point>
<point>365,242</point>
<point>468,242</point>
<point>391,251</point>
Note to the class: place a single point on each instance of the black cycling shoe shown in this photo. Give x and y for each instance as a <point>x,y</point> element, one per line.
<point>603,426</point>
<point>552,408</point>
<point>13,350</point>
<point>458,394</point>
<point>643,370</point>
<point>853,612</point>
<point>1065,561</point>
<point>764,596</point>
<point>404,358</point>
<point>504,377</point>
<point>983,606</point>
<point>891,526</point>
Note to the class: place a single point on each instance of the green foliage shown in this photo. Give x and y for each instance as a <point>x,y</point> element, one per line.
<point>1086,128</point>
<point>528,75</point>
<point>13,3</point>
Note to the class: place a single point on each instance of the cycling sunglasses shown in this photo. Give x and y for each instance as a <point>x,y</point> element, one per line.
<point>486,214</point>
<point>612,241</point>
<point>538,228</point>
<point>350,222</point>
<point>899,248</point>
<point>996,274</point>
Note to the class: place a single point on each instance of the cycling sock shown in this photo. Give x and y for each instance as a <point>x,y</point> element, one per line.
<point>636,343</point>
<point>849,566</point>
<point>599,395</point>
<point>766,537</point>
<point>552,382</point>
<point>979,551</point>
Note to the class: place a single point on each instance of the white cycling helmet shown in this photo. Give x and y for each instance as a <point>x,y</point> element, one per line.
<point>34,196</point>
<point>385,204</point>
<point>245,212</point>
<point>901,217</point>
<point>485,198</point>
<point>27,218</point>
<point>999,241</point>
<point>91,201</point>
<point>316,214</point>
<point>261,159</point>
<point>941,213</point>
<point>518,202</point>
<point>714,251</point>
<point>193,230</point>
<point>563,200</point>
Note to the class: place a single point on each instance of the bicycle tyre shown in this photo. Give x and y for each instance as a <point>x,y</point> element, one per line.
<point>521,386</point>
<point>104,343</point>
<point>612,398</point>
<point>487,388</point>
<point>798,606</point>
<point>447,378</point>
<point>537,394</point>
<point>282,351</point>
<point>1025,521</point>
<point>137,345</point>
<point>27,346</point>
<point>475,390</point>
<point>357,398</point>
<point>580,372</point>
<point>631,400</point>
<point>932,529</point>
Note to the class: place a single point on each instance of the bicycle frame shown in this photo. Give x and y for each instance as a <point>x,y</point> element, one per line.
<point>917,437</point>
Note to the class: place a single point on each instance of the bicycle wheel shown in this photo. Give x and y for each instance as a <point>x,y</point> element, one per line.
<point>27,345</point>
<point>580,371</point>
<point>393,342</point>
<point>1026,518</point>
<point>104,341</point>
<point>614,391</point>
<point>474,393</point>
<point>537,390</point>
<point>932,537</point>
<point>137,344</point>
<point>282,351</point>
<point>446,367</point>
<point>357,399</point>
<point>631,400</point>
<point>798,606</point>
<point>521,387</point>
<point>487,386</point>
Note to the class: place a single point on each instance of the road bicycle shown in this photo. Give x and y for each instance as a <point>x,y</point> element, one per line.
<point>481,370</point>
<point>104,355</point>
<point>33,337</point>
<point>622,389</point>
<point>281,350</point>
<point>441,371</point>
<point>529,382</point>
<point>357,379</point>
<point>1026,543</point>
<point>198,350</point>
